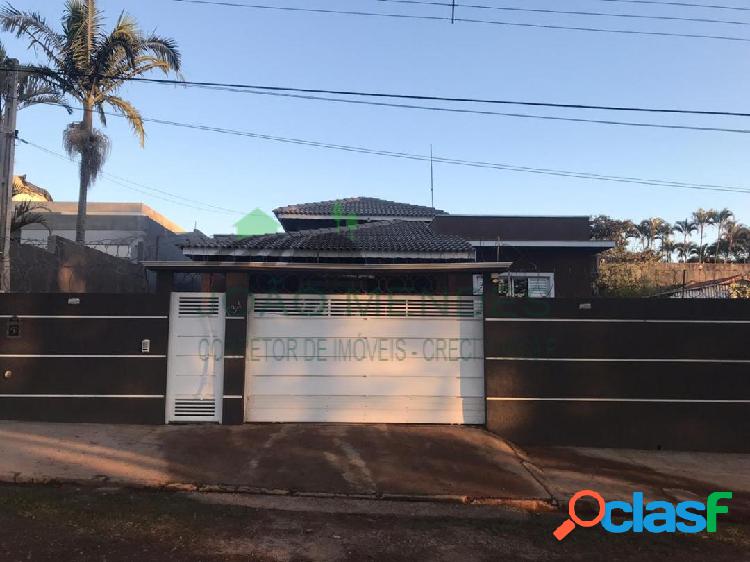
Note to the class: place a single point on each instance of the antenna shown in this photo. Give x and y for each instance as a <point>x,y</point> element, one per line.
<point>432,181</point>
<point>453,11</point>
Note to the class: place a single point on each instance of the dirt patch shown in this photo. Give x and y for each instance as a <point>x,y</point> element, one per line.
<point>65,523</point>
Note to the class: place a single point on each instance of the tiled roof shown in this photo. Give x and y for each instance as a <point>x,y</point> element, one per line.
<point>381,236</point>
<point>23,187</point>
<point>359,207</point>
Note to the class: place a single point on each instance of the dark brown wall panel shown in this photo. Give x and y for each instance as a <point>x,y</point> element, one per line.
<point>685,381</point>
<point>682,426</point>
<point>73,375</point>
<point>634,340</point>
<point>233,411</point>
<point>234,338</point>
<point>657,309</point>
<point>147,411</point>
<point>86,336</point>
<point>50,304</point>
<point>234,376</point>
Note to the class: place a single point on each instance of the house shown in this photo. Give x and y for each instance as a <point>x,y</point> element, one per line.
<point>24,190</point>
<point>133,231</point>
<point>551,256</point>
<point>362,310</point>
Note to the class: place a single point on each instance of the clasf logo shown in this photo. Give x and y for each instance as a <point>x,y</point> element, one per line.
<point>652,517</point>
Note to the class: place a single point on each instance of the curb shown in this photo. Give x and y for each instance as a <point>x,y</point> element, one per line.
<point>537,505</point>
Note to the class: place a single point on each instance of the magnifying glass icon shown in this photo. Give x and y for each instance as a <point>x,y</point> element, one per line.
<point>569,524</point>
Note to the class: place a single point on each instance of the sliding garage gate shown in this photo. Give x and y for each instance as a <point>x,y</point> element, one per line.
<point>369,358</point>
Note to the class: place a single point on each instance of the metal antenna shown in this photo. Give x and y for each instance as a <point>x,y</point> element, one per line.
<point>453,11</point>
<point>432,181</point>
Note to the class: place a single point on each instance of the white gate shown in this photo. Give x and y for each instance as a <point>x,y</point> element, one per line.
<point>368,358</point>
<point>195,367</point>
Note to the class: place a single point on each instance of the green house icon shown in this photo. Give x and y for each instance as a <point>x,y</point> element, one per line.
<point>257,222</point>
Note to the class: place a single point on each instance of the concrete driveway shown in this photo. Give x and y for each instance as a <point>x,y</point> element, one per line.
<point>340,459</point>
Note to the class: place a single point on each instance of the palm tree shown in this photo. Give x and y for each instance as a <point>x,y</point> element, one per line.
<point>24,214</point>
<point>34,89</point>
<point>702,219</point>
<point>686,228</point>
<point>649,230</point>
<point>90,67</point>
<point>684,250</point>
<point>732,232</point>
<point>721,217</point>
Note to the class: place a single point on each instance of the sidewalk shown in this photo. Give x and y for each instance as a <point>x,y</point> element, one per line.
<point>461,464</point>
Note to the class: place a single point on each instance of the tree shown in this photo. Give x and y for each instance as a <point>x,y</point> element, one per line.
<point>90,66</point>
<point>685,250</point>
<point>722,217</point>
<point>686,228</point>
<point>734,232</point>
<point>650,230</point>
<point>34,89</point>
<point>26,213</point>
<point>702,219</point>
<point>618,231</point>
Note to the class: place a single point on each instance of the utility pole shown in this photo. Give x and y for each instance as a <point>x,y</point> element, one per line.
<point>7,157</point>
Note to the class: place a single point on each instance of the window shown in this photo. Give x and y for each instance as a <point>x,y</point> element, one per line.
<point>533,285</point>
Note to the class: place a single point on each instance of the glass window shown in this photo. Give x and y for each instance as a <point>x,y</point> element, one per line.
<point>526,285</point>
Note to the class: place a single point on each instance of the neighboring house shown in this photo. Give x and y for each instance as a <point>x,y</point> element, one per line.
<point>132,231</point>
<point>551,256</point>
<point>737,286</point>
<point>24,190</point>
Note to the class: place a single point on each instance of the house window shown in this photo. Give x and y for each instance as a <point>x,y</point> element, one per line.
<point>533,285</point>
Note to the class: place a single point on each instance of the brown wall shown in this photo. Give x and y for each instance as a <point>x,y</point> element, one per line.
<point>83,362</point>
<point>66,267</point>
<point>574,269</point>
<point>623,373</point>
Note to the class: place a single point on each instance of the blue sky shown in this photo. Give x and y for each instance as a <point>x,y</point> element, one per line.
<point>436,58</point>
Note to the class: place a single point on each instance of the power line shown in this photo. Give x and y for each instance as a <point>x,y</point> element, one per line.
<point>236,87</point>
<point>454,161</point>
<point>129,184</point>
<point>466,20</point>
<point>499,113</point>
<point>679,4</point>
<point>565,12</point>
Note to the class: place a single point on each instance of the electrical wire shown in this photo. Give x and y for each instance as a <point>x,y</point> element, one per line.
<point>452,161</point>
<point>564,12</point>
<point>465,20</point>
<point>499,113</point>
<point>679,4</point>
<point>129,184</point>
<point>236,87</point>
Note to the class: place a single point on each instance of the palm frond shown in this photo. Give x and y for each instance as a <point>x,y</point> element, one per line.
<point>127,110</point>
<point>78,39</point>
<point>165,49</point>
<point>34,89</point>
<point>26,213</point>
<point>33,26</point>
